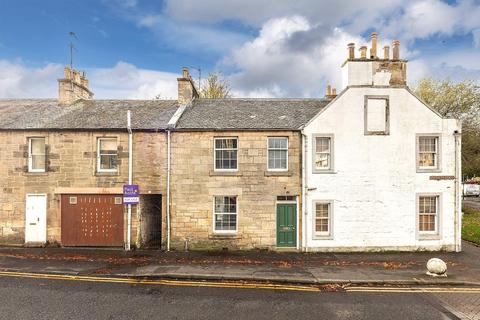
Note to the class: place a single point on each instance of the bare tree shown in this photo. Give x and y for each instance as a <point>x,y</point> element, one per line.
<point>460,100</point>
<point>215,87</point>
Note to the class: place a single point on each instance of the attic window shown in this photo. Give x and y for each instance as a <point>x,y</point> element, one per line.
<point>376,115</point>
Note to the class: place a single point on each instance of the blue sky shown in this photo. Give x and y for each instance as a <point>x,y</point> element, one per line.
<point>136,48</point>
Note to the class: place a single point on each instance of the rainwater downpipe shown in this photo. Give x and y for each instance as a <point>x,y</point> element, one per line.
<point>130,173</point>
<point>168,190</point>
<point>304,190</point>
<point>458,208</point>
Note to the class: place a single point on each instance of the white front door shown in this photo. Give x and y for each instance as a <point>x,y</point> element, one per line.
<point>36,218</point>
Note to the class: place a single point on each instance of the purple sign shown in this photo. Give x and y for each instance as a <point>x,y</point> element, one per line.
<point>131,194</point>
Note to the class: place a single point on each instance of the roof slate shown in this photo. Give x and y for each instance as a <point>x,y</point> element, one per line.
<point>202,114</point>
<point>249,114</point>
<point>94,114</point>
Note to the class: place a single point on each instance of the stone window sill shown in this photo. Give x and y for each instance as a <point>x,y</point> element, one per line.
<point>320,237</point>
<point>324,172</point>
<point>214,173</point>
<point>36,173</point>
<point>223,236</point>
<point>107,174</point>
<point>433,170</point>
<point>278,174</point>
<point>429,237</point>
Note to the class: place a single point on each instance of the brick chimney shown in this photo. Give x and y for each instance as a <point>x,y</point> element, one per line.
<point>186,88</point>
<point>73,87</point>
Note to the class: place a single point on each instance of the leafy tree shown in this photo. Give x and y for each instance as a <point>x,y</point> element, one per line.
<point>462,101</point>
<point>215,87</point>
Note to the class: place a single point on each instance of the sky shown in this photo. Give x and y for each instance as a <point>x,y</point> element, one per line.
<point>135,49</point>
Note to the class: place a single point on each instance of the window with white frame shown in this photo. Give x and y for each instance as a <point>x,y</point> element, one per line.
<point>107,155</point>
<point>428,212</point>
<point>226,153</point>
<point>322,218</point>
<point>278,153</point>
<point>225,214</point>
<point>322,154</point>
<point>36,154</point>
<point>428,152</point>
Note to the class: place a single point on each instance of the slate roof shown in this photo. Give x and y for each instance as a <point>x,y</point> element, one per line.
<point>202,114</point>
<point>249,114</point>
<point>94,114</point>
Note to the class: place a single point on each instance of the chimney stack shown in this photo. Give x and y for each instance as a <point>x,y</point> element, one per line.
<point>330,92</point>
<point>386,52</point>
<point>363,52</point>
<point>351,51</point>
<point>186,88</point>
<point>73,87</point>
<point>396,49</point>
<point>373,50</point>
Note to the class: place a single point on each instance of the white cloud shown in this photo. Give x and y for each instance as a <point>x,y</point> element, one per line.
<point>289,58</point>
<point>425,18</point>
<point>476,38</point>
<point>256,12</point>
<point>407,20</point>
<point>123,81</point>
<point>19,81</point>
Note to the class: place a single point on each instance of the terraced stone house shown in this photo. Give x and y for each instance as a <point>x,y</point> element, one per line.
<point>373,168</point>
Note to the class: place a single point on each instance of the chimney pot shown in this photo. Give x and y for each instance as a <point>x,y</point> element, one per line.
<point>386,52</point>
<point>373,50</point>
<point>396,49</point>
<point>334,92</point>
<point>329,90</point>
<point>185,72</point>
<point>363,52</point>
<point>351,51</point>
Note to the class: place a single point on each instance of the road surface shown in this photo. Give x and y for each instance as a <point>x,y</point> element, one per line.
<point>31,298</point>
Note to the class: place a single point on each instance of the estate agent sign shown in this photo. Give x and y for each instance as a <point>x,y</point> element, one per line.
<point>131,194</point>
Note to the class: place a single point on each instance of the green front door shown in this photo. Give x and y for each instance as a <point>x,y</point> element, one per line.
<point>286,225</point>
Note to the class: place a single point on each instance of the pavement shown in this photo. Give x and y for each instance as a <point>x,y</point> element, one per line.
<point>254,266</point>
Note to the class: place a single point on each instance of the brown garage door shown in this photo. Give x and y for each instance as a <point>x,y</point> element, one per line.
<point>92,220</point>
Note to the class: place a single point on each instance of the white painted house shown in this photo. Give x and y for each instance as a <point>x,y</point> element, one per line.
<point>381,168</point>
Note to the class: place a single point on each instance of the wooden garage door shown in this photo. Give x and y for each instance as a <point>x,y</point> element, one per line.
<point>92,220</point>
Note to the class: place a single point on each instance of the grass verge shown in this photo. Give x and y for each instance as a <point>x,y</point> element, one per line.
<point>471,225</point>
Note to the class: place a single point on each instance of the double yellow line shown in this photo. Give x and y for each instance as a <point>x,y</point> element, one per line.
<point>237,285</point>
<point>414,289</point>
<point>160,281</point>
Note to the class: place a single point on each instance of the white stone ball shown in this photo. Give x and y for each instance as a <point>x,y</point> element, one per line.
<point>436,266</point>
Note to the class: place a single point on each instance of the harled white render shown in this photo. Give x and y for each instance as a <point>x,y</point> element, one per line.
<point>373,183</point>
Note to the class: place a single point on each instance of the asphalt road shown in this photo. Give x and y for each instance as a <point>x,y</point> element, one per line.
<point>24,298</point>
<point>473,202</point>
